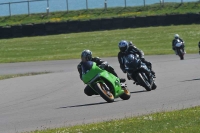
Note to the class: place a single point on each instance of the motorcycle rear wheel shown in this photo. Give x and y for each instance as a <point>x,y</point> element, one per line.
<point>106,95</point>
<point>126,95</point>
<point>143,82</point>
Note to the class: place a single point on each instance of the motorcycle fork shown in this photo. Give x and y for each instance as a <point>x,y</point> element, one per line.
<point>150,79</point>
<point>130,75</point>
<point>132,78</point>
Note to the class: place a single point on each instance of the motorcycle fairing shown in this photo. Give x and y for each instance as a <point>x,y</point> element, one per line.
<point>93,74</point>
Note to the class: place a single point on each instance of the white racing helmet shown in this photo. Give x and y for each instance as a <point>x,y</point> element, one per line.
<point>176,36</point>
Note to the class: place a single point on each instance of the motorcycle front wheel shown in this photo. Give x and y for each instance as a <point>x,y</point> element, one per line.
<point>180,53</point>
<point>143,80</point>
<point>154,86</point>
<point>105,94</point>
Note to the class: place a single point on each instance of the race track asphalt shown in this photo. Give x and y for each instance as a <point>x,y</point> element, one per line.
<point>57,98</point>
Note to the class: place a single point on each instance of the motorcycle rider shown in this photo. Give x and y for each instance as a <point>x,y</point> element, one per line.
<point>174,42</point>
<point>86,55</point>
<point>129,48</point>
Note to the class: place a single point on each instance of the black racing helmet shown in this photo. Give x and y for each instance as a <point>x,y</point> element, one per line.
<point>87,54</point>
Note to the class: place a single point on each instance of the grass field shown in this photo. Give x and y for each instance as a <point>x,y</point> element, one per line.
<point>152,40</point>
<point>155,9</point>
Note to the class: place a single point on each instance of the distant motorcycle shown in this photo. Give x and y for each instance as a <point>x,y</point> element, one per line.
<point>179,49</point>
<point>138,72</point>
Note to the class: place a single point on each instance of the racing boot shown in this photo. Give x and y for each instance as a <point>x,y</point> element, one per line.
<point>122,80</point>
<point>136,83</point>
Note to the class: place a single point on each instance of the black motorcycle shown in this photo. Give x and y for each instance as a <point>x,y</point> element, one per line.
<point>139,72</point>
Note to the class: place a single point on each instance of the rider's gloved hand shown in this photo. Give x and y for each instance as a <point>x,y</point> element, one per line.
<point>103,65</point>
<point>130,43</point>
<point>142,54</point>
<point>142,58</point>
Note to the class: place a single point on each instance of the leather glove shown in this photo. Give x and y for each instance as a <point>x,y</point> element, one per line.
<point>103,65</point>
<point>130,43</point>
<point>142,58</point>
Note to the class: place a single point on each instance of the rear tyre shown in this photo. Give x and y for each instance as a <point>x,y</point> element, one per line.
<point>143,81</point>
<point>126,95</point>
<point>106,95</point>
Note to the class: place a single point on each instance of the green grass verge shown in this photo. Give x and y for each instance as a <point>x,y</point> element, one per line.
<point>181,121</point>
<point>155,9</point>
<point>152,40</point>
<point>2,77</point>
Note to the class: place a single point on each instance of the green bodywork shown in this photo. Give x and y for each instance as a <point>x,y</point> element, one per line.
<point>98,75</point>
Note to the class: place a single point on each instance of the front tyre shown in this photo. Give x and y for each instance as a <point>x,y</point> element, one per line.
<point>154,86</point>
<point>126,95</point>
<point>105,94</point>
<point>180,53</point>
<point>143,80</point>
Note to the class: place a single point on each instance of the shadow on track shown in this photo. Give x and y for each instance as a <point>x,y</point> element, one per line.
<point>91,104</point>
<point>190,80</point>
<point>138,91</point>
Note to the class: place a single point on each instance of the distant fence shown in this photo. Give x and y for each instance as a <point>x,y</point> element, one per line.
<point>96,25</point>
<point>28,5</point>
<point>41,6</point>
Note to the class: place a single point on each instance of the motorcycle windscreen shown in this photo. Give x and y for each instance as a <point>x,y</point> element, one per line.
<point>86,66</point>
<point>179,44</point>
<point>132,62</point>
<point>89,71</point>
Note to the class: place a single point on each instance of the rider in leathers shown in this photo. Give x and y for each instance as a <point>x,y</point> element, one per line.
<point>174,41</point>
<point>128,48</point>
<point>86,55</point>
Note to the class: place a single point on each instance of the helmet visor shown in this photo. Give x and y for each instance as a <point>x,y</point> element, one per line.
<point>123,49</point>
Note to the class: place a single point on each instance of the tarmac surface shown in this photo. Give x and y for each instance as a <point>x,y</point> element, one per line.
<point>57,99</point>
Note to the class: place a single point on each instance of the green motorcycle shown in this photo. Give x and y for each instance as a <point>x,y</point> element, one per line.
<point>104,83</point>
